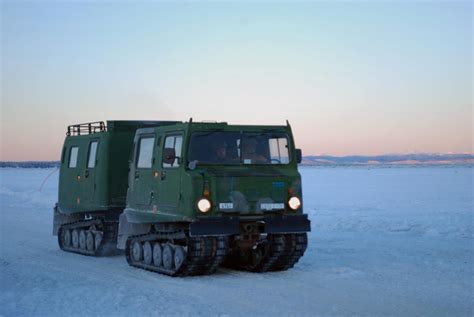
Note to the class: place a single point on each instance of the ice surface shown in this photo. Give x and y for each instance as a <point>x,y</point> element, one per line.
<point>385,241</point>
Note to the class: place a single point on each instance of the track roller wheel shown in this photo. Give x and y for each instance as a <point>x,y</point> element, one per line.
<point>66,236</point>
<point>157,254</point>
<point>98,238</point>
<point>90,241</point>
<point>179,257</point>
<point>137,251</point>
<point>168,256</point>
<point>147,253</point>
<point>75,238</point>
<point>82,239</point>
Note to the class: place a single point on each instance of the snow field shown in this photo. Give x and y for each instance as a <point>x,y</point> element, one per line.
<point>384,241</point>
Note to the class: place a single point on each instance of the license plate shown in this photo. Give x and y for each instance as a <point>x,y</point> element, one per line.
<point>272,206</point>
<point>226,205</point>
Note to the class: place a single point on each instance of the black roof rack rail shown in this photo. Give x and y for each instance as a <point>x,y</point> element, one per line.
<point>86,128</point>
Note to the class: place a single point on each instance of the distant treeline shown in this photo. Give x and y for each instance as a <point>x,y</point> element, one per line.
<point>398,159</point>
<point>31,164</point>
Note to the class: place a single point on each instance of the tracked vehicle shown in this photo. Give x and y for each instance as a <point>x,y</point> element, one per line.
<point>182,198</point>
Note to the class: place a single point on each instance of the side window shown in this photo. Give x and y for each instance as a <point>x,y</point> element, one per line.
<point>279,150</point>
<point>172,151</point>
<point>73,157</point>
<point>92,154</point>
<point>145,152</point>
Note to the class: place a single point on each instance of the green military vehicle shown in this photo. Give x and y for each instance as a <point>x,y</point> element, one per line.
<point>182,198</point>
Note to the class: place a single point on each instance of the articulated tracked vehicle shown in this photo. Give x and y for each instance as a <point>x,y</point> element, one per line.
<point>182,198</point>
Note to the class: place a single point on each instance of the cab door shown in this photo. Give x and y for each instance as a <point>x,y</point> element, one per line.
<point>170,174</point>
<point>88,183</point>
<point>142,176</point>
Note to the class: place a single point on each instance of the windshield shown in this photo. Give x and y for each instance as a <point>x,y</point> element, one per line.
<point>234,148</point>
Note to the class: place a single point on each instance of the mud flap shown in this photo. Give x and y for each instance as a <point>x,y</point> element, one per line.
<point>127,229</point>
<point>287,224</point>
<point>60,218</point>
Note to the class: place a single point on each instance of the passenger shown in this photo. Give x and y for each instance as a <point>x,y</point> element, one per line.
<point>249,146</point>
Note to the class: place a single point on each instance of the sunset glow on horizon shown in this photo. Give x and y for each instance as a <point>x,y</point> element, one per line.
<point>363,78</point>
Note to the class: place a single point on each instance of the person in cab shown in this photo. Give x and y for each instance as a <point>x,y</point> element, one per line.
<point>250,154</point>
<point>220,152</point>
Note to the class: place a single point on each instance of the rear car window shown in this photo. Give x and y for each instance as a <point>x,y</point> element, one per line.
<point>73,157</point>
<point>92,154</point>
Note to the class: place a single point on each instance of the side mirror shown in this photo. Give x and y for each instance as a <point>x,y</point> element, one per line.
<point>169,156</point>
<point>299,155</point>
<point>192,165</point>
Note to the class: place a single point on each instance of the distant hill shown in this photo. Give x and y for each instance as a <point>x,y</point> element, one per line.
<point>328,160</point>
<point>396,159</point>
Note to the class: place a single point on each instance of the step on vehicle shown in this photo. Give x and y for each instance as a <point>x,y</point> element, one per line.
<point>182,198</point>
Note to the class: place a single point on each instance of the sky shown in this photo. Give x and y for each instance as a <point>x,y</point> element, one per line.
<point>352,78</point>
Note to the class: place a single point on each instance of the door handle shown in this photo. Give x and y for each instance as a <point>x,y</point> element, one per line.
<point>163,175</point>
<point>86,173</point>
<point>137,175</point>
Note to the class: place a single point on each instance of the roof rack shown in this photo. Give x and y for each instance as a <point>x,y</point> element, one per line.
<point>86,128</point>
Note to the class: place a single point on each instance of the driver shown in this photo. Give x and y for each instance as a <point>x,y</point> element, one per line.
<point>219,152</point>
<point>249,146</point>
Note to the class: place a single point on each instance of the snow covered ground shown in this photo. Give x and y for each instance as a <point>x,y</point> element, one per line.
<point>384,241</point>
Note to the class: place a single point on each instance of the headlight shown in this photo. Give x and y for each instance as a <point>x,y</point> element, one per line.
<point>294,203</point>
<point>204,205</point>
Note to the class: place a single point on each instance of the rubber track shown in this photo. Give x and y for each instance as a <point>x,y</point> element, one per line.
<point>283,251</point>
<point>295,246</point>
<point>203,256</point>
<point>108,245</point>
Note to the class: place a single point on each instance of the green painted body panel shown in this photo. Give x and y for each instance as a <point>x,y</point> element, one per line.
<point>104,186</point>
<point>167,194</point>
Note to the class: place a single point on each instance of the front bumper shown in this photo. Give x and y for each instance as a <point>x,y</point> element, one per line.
<point>214,226</point>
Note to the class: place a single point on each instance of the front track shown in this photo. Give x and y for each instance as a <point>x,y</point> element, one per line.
<point>175,253</point>
<point>278,252</point>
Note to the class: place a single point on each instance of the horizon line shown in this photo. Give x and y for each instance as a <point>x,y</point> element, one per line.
<point>310,155</point>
